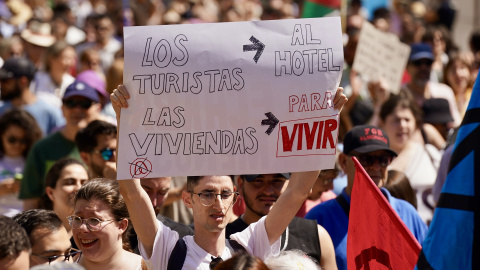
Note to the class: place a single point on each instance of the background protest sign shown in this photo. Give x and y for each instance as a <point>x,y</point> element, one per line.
<point>381,55</point>
<point>230,98</point>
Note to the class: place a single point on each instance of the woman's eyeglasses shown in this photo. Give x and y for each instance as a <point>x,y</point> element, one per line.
<point>63,257</point>
<point>93,224</point>
<point>14,140</point>
<point>72,103</point>
<point>106,153</point>
<point>209,198</point>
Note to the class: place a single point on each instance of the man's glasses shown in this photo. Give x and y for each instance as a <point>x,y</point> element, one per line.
<point>14,140</point>
<point>72,103</point>
<point>209,198</point>
<point>93,224</point>
<point>368,161</point>
<point>106,153</point>
<point>420,62</point>
<point>63,257</point>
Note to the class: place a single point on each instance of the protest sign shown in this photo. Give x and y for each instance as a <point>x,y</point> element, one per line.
<point>381,55</point>
<point>230,98</point>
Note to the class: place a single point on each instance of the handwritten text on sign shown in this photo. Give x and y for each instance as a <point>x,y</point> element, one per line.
<point>230,98</point>
<point>381,55</point>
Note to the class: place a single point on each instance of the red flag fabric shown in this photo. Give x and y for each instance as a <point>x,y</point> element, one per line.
<point>377,237</point>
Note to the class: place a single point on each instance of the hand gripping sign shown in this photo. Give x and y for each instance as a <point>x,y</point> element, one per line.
<point>230,98</point>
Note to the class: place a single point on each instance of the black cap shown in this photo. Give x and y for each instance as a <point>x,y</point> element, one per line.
<point>251,177</point>
<point>16,67</point>
<point>365,139</point>
<point>436,111</point>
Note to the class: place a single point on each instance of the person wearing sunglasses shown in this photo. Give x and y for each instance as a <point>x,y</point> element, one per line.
<point>80,106</point>
<point>97,144</point>
<point>100,224</point>
<point>48,237</point>
<point>18,132</point>
<point>211,198</point>
<point>419,67</point>
<point>370,145</point>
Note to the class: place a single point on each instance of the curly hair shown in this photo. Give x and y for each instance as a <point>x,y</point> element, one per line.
<point>24,120</point>
<point>13,239</point>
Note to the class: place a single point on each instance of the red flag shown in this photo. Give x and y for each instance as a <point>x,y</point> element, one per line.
<point>377,237</point>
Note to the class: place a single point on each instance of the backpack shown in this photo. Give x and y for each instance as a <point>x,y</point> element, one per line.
<point>179,253</point>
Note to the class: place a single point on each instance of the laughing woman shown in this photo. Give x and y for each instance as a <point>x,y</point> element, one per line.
<point>100,225</point>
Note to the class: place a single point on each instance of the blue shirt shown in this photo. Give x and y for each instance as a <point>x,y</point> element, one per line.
<point>333,218</point>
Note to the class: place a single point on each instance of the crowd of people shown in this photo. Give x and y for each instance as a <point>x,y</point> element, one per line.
<point>61,74</point>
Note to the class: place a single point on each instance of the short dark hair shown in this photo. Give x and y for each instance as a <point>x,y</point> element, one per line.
<point>192,181</point>
<point>34,219</point>
<point>86,139</point>
<point>13,239</point>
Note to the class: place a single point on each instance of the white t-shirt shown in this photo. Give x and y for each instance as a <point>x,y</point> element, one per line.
<point>254,239</point>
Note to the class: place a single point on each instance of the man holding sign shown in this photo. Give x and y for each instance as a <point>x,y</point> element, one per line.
<point>211,199</point>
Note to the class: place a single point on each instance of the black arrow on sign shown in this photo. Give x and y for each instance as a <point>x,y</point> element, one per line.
<point>256,46</point>
<point>271,121</point>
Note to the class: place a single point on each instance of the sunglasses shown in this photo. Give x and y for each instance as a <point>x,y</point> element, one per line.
<point>84,104</point>
<point>421,62</point>
<point>368,161</point>
<point>106,153</point>
<point>14,140</point>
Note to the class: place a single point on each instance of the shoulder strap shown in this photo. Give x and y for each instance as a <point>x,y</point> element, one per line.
<point>177,258</point>
<point>344,204</point>
<point>236,246</point>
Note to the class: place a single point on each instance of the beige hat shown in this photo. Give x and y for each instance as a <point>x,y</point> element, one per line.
<point>38,33</point>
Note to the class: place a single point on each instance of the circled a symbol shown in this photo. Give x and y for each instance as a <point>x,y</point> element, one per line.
<point>140,168</point>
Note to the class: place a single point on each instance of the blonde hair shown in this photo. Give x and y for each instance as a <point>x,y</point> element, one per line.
<point>290,260</point>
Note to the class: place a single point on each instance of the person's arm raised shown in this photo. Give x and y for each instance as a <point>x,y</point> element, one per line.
<point>138,203</point>
<point>296,193</point>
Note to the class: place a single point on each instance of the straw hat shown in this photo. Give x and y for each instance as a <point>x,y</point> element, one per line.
<point>38,33</point>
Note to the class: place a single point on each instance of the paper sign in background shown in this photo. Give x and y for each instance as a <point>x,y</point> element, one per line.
<point>381,55</point>
<point>200,93</point>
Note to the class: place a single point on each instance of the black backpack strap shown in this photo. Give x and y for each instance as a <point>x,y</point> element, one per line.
<point>177,258</point>
<point>237,248</point>
<point>344,204</point>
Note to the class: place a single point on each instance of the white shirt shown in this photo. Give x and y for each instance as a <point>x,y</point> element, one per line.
<point>254,239</point>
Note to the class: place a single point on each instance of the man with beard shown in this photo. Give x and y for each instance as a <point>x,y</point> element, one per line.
<point>419,68</point>
<point>260,192</point>
<point>80,106</point>
<point>15,77</point>
<point>97,144</point>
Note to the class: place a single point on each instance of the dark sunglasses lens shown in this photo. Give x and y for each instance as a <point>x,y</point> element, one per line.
<point>84,104</point>
<point>13,140</point>
<point>423,62</point>
<point>107,154</point>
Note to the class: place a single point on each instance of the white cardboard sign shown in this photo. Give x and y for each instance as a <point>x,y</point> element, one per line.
<point>381,55</point>
<point>230,98</point>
